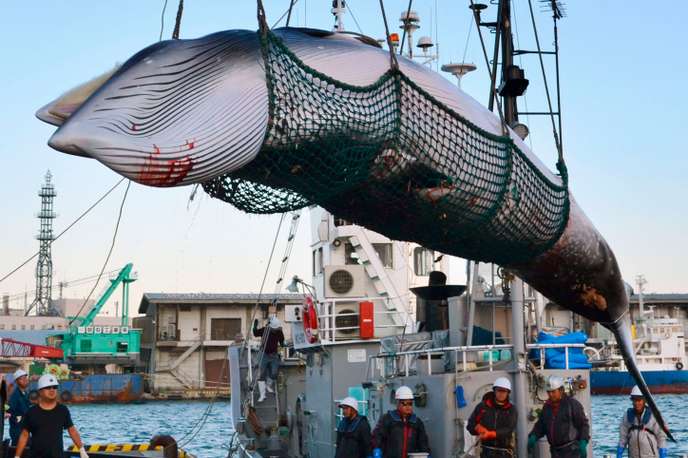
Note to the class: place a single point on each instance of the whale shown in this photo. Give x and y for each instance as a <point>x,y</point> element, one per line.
<point>198,111</point>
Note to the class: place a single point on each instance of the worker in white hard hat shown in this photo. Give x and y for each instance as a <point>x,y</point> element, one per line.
<point>18,404</point>
<point>640,432</point>
<point>494,420</point>
<point>563,421</point>
<point>353,432</point>
<point>45,422</point>
<point>399,431</point>
<point>272,338</point>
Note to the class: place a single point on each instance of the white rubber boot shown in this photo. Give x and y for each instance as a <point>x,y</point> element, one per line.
<point>268,385</point>
<point>261,390</point>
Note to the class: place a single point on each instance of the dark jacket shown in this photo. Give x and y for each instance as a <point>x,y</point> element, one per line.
<point>18,406</point>
<point>563,423</point>
<point>353,438</point>
<point>397,436</point>
<point>274,338</point>
<point>494,417</point>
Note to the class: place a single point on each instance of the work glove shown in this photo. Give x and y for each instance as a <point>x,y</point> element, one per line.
<point>583,445</point>
<point>255,324</point>
<point>480,429</point>
<point>620,451</point>
<point>532,440</point>
<point>82,452</point>
<point>488,436</point>
<point>377,453</point>
<point>663,453</point>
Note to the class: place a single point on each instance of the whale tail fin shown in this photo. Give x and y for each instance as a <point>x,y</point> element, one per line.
<point>622,332</point>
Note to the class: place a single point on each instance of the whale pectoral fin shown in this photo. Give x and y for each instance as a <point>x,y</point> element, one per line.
<point>60,109</point>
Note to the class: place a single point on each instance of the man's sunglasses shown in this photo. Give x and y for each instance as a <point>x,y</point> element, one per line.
<point>50,388</point>
<point>406,403</point>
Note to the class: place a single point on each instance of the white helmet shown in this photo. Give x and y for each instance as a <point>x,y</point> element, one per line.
<point>554,383</point>
<point>350,402</point>
<point>275,322</point>
<point>47,381</point>
<point>19,373</point>
<point>403,393</point>
<point>502,382</point>
<point>636,393</point>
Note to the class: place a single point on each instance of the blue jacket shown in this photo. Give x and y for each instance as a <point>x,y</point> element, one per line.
<point>19,404</point>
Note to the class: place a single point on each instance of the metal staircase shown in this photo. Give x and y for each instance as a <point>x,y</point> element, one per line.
<point>384,286</point>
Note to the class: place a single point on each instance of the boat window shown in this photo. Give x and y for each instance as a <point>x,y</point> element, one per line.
<point>224,328</point>
<point>384,252</point>
<point>422,261</point>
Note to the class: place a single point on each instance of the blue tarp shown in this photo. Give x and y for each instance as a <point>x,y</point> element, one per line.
<point>555,357</point>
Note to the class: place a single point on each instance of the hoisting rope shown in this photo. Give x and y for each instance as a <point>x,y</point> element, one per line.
<point>393,58</point>
<point>291,6</point>
<point>476,17</point>
<point>178,21</point>
<point>403,35</point>
<point>561,165</point>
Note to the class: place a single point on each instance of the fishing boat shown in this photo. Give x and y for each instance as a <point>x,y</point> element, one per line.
<point>449,343</point>
<point>661,355</point>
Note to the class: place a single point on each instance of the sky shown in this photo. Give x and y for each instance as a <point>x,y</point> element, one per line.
<point>623,102</point>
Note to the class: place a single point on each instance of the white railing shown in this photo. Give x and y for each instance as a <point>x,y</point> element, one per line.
<point>328,323</point>
<point>407,356</point>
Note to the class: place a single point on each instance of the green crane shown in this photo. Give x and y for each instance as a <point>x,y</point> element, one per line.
<point>89,344</point>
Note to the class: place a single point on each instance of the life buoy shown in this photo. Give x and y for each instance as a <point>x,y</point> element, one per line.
<point>679,366</point>
<point>310,320</point>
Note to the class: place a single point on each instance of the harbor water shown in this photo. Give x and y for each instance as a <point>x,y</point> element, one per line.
<point>206,432</point>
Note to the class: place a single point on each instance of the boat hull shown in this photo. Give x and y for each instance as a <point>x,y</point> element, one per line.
<point>621,382</point>
<point>108,388</point>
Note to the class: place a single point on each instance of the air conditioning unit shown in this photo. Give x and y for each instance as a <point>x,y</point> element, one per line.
<point>344,281</point>
<point>347,317</point>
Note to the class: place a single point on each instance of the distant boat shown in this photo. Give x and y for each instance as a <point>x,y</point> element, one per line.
<point>661,355</point>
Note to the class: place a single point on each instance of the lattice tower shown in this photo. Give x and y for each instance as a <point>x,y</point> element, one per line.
<point>44,267</point>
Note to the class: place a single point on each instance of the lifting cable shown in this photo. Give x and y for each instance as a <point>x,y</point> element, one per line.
<point>72,224</point>
<point>178,20</point>
<point>403,35</point>
<point>487,65</point>
<point>392,57</point>
<point>561,165</point>
<point>107,258</point>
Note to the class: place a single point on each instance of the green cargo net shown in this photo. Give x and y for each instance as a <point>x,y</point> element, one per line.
<point>392,158</point>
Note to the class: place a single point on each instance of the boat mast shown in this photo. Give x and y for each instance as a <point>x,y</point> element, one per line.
<point>513,84</point>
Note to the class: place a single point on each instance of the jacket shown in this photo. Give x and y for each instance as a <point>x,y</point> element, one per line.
<point>353,438</point>
<point>494,417</point>
<point>641,434</point>
<point>275,337</point>
<point>398,436</point>
<point>562,423</point>
<point>18,406</point>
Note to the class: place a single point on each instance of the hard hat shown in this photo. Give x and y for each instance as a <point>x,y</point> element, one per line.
<point>19,373</point>
<point>636,393</point>
<point>350,402</point>
<point>403,393</point>
<point>275,322</point>
<point>554,383</point>
<point>502,382</point>
<point>47,381</point>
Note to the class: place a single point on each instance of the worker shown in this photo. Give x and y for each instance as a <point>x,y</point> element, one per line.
<point>353,432</point>
<point>273,337</point>
<point>494,420</point>
<point>640,432</point>
<point>564,422</point>
<point>45,421</point>
<point>18,404</point>
<point>400,432</point>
